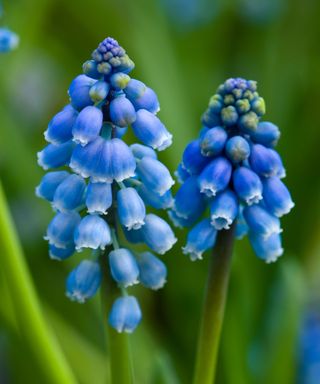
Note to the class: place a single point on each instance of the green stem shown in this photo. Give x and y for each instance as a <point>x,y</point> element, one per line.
<point>214,306</point>
<point>33,325</point>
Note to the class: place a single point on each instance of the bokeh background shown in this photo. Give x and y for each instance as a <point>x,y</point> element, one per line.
<point>183,49</point>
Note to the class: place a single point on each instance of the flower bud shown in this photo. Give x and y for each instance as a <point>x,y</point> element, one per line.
<point>154,175</point>
<point>215,177</point>
<point>60,127</point>
<point>84,281</point>
<point>79,91</point>
<point>266,134</point>
<point>150,130</point>
<point>61,229</point>
<point>193,160</point>
<point>153,272</point>
<point>131,209</point>
<point>157,234</point>
<point>99,91</point>
<point>140,151</point>
<point>125,314</point>
<point>269,248</point>
<point>50,183</point>
<point>122,112</point>
<point>237,149</point>
<point>276,197</point>
<point>92,232</point>
<point>213,142</point>
<point>123,266</point>
<point>56,253</point>
<point>260,221</point>
<point>87,125</point>
<point>247,185</point>
<point>224,209</point>
<point>54,156</point>
<point>69,194</point>
<point>200,238</point>
<point>98,197</point>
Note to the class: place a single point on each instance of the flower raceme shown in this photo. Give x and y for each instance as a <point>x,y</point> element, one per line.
<point>233,169</point>
<point>103,186</point>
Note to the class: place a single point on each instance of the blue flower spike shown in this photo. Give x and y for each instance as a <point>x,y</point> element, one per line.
<point>234,169</point>
<point>99,186</point>
<point>8,40</point>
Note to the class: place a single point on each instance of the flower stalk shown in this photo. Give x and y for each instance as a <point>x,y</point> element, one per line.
<point>32,323</point>
<point>214,307</point>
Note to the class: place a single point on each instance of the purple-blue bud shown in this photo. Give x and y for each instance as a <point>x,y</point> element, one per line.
<point>268,248</point>
<point>122,112</point>
<point>99,91</point>
<point>139,151</point>
<point>266,134</point>
<point>92,232</point>
<point>61,229</point>
<point>69,195</point>
<point>131,209</point>
<point>237,149</point>
<point>192,159</point>
<point>276,197</point>
<point>125,314</point>
<point>56,253</point>
<point>260,221</point>
<point>264,161</point>
<point>224,209</point>
<point>201,238</point>
<point>87,125</point>
<point>213,141</point>
<point>153,272</point>
<point>123,267</point>
<point>60,127</point>
<point>98,197</point>
<point>247,185</point>
<point>54,156</point>
<point>49,183</point>
<point>150,130</point>
<point>215,177</point>
<point>79,91</point>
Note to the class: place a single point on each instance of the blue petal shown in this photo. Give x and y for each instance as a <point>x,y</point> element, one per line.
<point>84,281</point>
<point>213,141</point>
<point>122,112</point>
<point>57,253</point>
<point>192,159</point>
<point>268,248</point>
<point>155,200</point>
<point>265,161</point>
<point>276,197</point>
<point>260,221</point>
<point>154,175</point>
<point>247,185</point>
<point>54,156</point>
<point>189,202</point>
<point>60,127</point>
<point>157,234</point>
<point>131,208</point>
<point>123,266</point>
<point>125,314</point>
<point>79,91</point>
<point>237,149</point>
<point>139,151</point>
<point>92,232</point>
<point>266,133</point>
<point>200,238</point>
<point>49,183</point>
<point>87,125</point>
<point>153,272</point>
<point>148,100</point>
<point>224,209</point>
<point>61,229</point>
<point>69,194</point>
<point>150,130</point>
<point>135,89</point>
<point>99,91</point>
<point>98,197</point>
<point>215,177</point>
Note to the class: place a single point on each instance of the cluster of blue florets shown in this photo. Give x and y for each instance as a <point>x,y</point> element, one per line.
<point>103,185</point>
<point>233,170</point>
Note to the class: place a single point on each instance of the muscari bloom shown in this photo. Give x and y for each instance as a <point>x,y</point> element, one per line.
<point>8,40</point>
<point>233,169</point>
<point>102,186</point>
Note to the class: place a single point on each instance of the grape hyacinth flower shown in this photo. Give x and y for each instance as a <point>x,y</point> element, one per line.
<point>102,186</point>
<point>8,40</point>
<point>231,187</point>
<point>233,168</point>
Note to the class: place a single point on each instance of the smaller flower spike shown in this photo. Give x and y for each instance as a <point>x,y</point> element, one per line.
<point>108,184</point>
<point>233,168</point>
<point>8,40</point>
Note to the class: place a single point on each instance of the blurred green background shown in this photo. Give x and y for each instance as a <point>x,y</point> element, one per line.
<point>183,50</point>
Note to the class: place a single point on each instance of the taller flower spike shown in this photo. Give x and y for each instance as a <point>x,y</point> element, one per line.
<point>236,168</point>
<point>110,183</point>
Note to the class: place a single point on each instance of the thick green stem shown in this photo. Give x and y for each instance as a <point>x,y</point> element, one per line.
<point>32,324</point>
<point>214,306</point>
